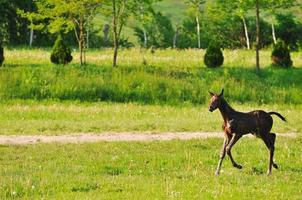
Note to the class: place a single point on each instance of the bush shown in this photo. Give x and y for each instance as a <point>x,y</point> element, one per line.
<point>61,54</point>
<point>213,56</point>
<point>281,55</point>
<point>289,29</point>
<point>1,55</point>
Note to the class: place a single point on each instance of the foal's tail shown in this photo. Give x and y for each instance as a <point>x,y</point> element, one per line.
<point>278,114</point>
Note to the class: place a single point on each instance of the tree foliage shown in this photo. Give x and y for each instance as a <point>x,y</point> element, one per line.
<point>231,22</point>
<point>64,16</point>
<point>281,55</point>
<point>120,11</point>
<point>13,28</point>
<point>213,56</point>
<point>61,54</point>
<point>195,8</point>
<point>288,30</point>
<point>1,54</point>
<point>159,31</point>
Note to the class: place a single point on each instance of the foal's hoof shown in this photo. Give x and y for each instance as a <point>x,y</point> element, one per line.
<point>238,166</point>
<point>216,173</point>
<point>275,165</point>
<point>269,173</point>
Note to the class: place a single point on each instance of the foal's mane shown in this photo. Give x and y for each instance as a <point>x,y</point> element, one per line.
<point>225,106</point>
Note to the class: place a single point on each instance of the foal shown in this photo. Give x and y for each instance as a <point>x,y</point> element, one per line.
<point>236,124</point>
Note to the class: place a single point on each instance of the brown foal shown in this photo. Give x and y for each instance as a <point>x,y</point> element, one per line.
<point>236,124</point>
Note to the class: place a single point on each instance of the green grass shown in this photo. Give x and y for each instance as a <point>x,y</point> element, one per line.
<point>168,94</point>
<point>170,77</point>
<point>57,118</point>
<point>151,170</point>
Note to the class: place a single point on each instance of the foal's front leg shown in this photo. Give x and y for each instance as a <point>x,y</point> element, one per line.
<point>228,149</point>
<point>222,154</point>
<point>232,159</point>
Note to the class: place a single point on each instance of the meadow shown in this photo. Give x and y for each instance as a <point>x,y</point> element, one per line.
<point>149,170</point>
<point>161,91</point>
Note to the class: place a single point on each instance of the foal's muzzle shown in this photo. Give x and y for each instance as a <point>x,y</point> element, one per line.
<point>211,109</point>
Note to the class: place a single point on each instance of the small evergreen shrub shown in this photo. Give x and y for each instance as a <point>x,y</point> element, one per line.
<point>213,56</point>
<point>281,55</point>
<point>1,55</point>
<point>61,54</point>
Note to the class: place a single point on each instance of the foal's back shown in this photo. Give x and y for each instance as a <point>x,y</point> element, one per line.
<point>257,122</point>
<point>263,122</point>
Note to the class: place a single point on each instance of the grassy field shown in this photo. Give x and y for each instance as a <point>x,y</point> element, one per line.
<point>167,93</point>
<point>57,118</point>
<point>169,77</point>
<point>151,170</point>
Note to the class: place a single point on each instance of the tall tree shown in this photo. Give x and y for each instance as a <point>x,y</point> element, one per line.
<point>239,8</point>
<point>145,13</point>
<point>273,6</point>
<point>64,16</point>
<point>195,7</point>
<point>257,35</point>
<point>120,11</point>
<point>13,28</point>
<point>160,31</point>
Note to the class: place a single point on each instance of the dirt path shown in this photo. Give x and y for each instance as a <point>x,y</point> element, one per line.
<point>111,137</point>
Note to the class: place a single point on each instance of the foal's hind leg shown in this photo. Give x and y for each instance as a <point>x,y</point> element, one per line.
<point>269,140</point>
<point>273,136</point>
<point>232,159</point>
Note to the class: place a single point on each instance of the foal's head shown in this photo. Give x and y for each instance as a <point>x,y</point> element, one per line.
<point>215,101</point>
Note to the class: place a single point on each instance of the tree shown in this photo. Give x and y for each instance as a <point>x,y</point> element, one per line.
<point>61,54</point>
<point>281,55</point>
<point>159,29</point>
<point>289,30</point>
<point>13,28</point>
<point>239,8</point>
<point>273,6</point>
<point>257,35</point>
<point>213,56</point>
<point>146,13</point>
<point>195,7</point>
<point>120,11</point>
<point>63,16</point>
<point>1,54</point>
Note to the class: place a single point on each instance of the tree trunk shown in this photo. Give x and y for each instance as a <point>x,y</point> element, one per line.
<point>145,38</point>
<point>175,38</point>
<point>115,35</point>
<point>273,33</point>
<point>31,37</point>
<point>87,37</point>
<point>82,42</point>
<point>106,30</point>
<point>246,34</point>
<point>257,36</point>
<point>198,30</point>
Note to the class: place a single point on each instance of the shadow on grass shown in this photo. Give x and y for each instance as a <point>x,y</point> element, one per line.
<point>86,188</point>
<point>297,170</point>
<point>257,171</point>
<point>113,171</point>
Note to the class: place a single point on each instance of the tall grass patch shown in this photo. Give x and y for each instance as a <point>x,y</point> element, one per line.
<point>158,82</point>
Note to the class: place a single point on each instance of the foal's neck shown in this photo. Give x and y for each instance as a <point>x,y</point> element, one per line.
<point>226,110</point>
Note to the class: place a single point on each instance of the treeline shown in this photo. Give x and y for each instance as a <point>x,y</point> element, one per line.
<point>231,22</point>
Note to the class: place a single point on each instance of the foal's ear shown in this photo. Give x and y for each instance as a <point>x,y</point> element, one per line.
<point>211,93</point>
<point>221,93</point>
